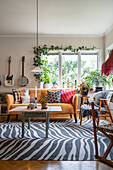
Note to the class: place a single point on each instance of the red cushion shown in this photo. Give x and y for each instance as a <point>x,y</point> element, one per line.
<point>66,96</point>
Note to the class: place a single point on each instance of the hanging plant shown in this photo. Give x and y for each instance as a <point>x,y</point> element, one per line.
<point>38,51</point>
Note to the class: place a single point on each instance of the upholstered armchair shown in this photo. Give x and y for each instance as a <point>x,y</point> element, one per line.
<point>101,108</point>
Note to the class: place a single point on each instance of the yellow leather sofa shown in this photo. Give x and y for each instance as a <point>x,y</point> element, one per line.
<point>67,109</point>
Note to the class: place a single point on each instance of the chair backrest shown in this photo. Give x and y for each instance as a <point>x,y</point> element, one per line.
<point>102,95</point>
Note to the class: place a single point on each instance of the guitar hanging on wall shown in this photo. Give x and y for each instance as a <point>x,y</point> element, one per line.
<point>23,81</point>
<point>9,78</point>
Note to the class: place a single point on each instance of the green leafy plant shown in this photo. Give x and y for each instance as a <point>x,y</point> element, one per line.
<point>39,51</point>
<point>54,82</point>
<point>39,77</point>
<point>95,78</point>
<point>43,100</point>
<point>84,86</point>
<point>45,74</point>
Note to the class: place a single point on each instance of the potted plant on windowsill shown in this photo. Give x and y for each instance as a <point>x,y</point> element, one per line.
<point>95,78</point>
<point>40,81</point>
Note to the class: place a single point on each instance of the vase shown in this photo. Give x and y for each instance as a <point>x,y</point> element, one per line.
<point>31,105</point>
<point>84,93</point>
<point>46,86</point>
<point>40,85</point>
<point>44,105</point>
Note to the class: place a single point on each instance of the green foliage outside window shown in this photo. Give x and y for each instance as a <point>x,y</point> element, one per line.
<point>54,72</point>
<point>69,67</point>
<point>44,77</point>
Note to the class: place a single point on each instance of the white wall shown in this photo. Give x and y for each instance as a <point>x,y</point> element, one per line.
<point>17,47</point>
<point>109,39</point>
<point>22,46</point>
<point>98,42</point>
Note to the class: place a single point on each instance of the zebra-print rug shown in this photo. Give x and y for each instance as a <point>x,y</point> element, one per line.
<point>67,141</point>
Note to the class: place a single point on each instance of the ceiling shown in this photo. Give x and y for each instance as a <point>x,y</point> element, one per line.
<point>56,17</point>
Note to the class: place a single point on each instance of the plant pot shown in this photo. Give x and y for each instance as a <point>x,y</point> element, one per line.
<point>46,86</point>
<point>44,106</point>
<point>97,89</point>
<point>40,85</point>
<point>85,93</point>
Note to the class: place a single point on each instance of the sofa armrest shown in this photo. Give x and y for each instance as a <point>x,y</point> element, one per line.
<point>75,102</point>
<point>10,101</point>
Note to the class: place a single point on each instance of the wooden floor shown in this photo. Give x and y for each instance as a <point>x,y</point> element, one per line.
<point>53,165</point>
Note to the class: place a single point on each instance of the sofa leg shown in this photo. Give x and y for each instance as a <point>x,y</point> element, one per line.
<point>8,117</point>
<point>70,115</point>
<point>16,117</point>
<point>75,118</point>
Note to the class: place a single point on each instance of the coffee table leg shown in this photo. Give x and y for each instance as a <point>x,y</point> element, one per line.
<point>22,125</point>
<point>29,123</point>
<point>47,124</point>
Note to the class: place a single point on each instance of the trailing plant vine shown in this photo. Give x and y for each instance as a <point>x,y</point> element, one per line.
<point>39,51</point>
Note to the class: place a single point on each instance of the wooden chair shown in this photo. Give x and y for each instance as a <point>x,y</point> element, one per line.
<point>101,107</point>
<point>104,112</point>
<point>107,130</point>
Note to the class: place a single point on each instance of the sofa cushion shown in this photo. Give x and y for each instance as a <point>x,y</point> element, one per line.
<point>66,96</point>
<point>32,99</point>
<point>25,92</point>
<point>25,99</point>
<point>54,96</point>
<point>17,96</point>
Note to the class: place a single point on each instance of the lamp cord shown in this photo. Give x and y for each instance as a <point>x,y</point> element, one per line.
<point>37,23</point>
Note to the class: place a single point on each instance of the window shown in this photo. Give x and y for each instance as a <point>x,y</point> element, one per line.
<point>88,63</point>
<point>69,68</point>
<point>70,65</point>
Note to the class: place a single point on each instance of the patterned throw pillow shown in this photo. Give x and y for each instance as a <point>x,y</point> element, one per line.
<point>25,99</point>
<point>17,96</point>
<point>66,96</point>
<point>54,96</point>
<point>25,92</point>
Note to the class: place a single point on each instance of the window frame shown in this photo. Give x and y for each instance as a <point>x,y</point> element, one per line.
<point>60,53</point>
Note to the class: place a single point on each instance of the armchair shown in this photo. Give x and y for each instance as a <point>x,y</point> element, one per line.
<point>101,108</point>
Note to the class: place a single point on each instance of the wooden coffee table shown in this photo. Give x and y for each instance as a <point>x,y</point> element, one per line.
<point>38,112</point>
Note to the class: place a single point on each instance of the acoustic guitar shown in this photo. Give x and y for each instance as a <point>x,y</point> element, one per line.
<point>9,78</point>
<point>23,81</point>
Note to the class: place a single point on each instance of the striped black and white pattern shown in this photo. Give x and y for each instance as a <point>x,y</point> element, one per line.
<point>67,141</point>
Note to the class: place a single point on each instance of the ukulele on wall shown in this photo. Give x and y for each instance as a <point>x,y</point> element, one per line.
<point>9,78</point>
